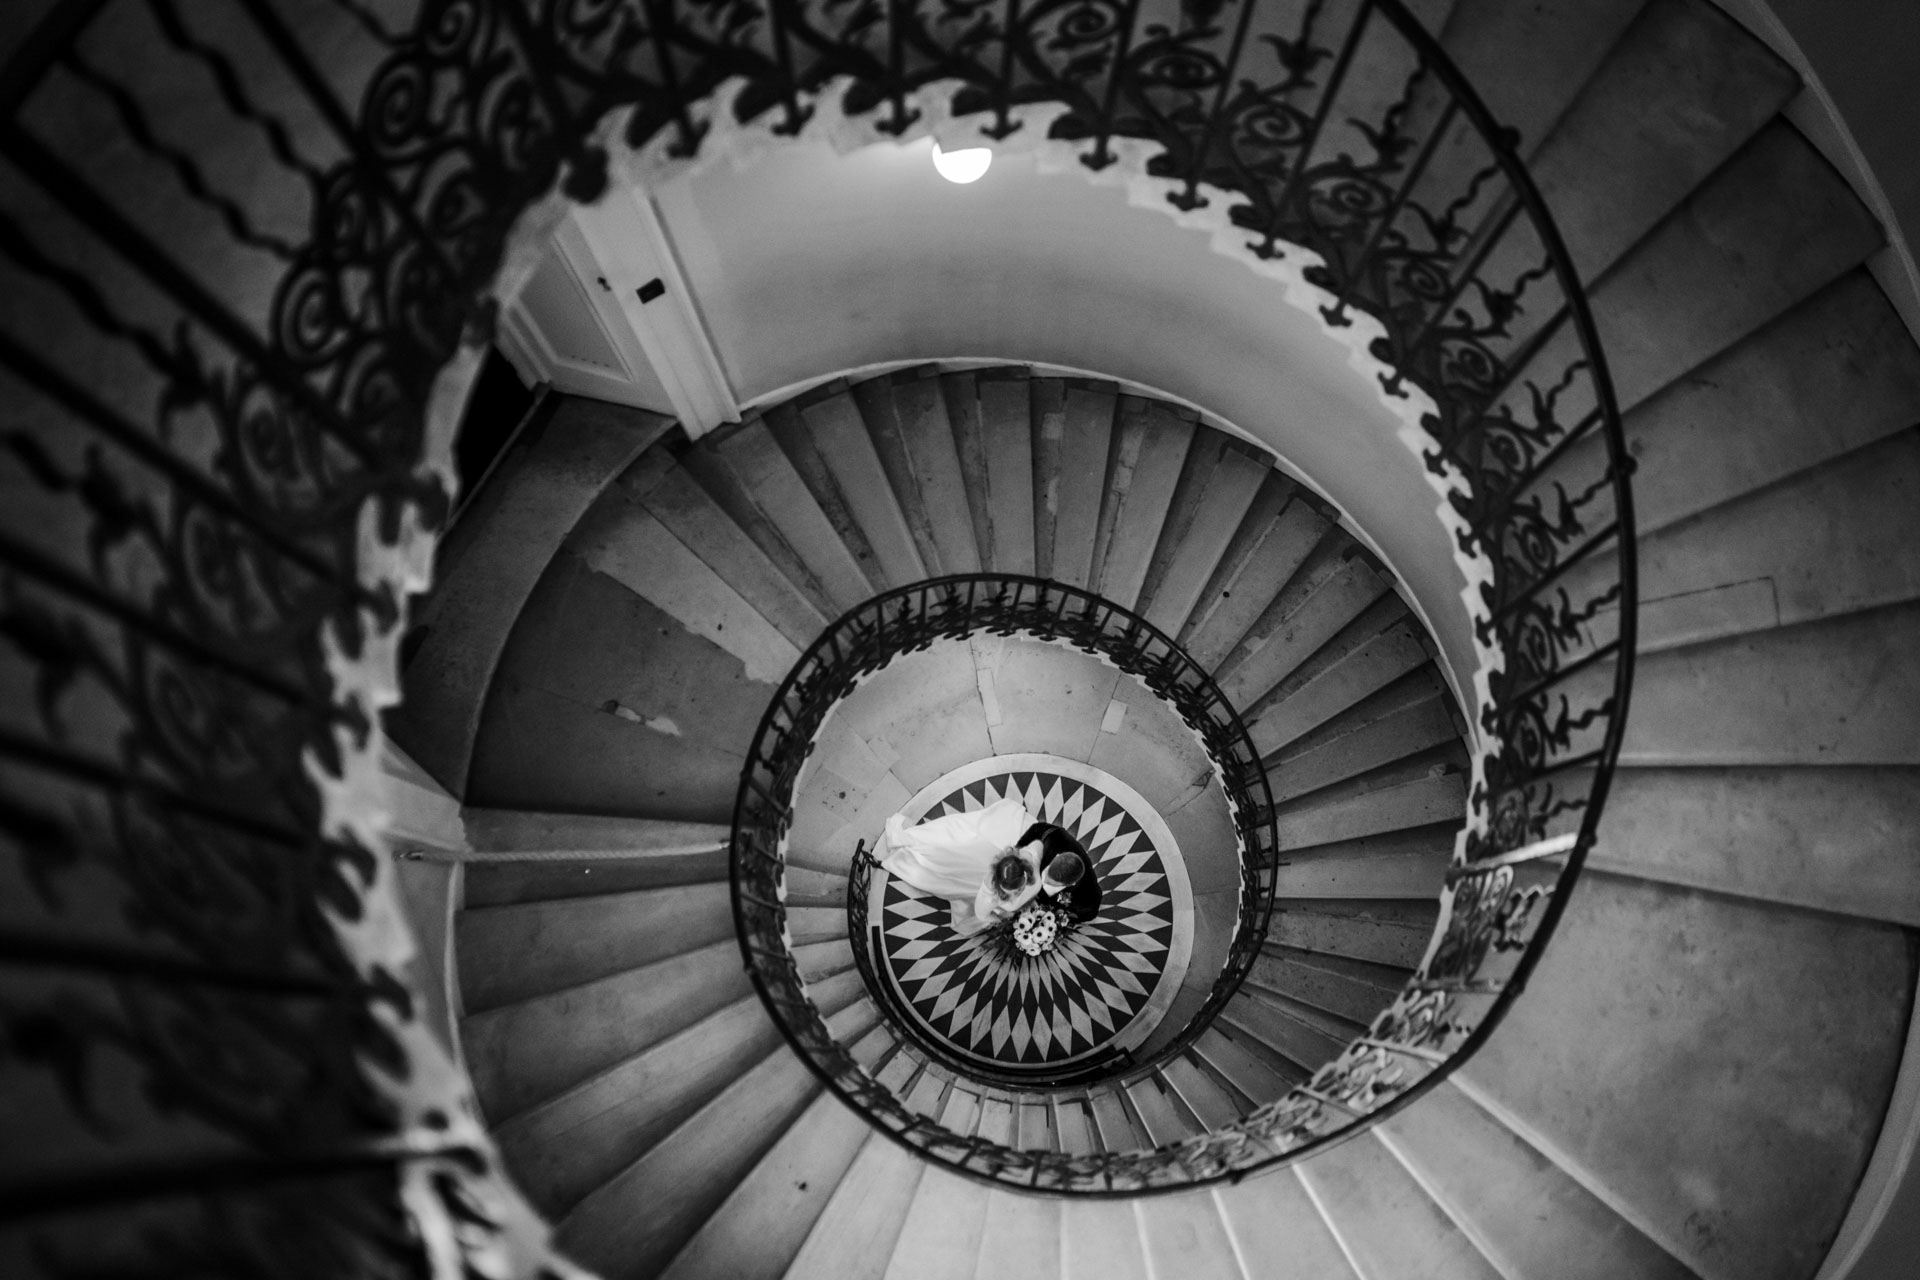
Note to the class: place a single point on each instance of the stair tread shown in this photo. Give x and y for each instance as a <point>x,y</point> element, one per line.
<point>1417,802</point>
<point>631,1225</point>
<point>524,1053</point>
<point>1324,692</point>
<point>1832,839</point>
<point>690,515</point>
<point>1072,437</point>
<point>759,1228</point>
<point>1006,435</point>
<point>1100,1240</point>
<point>836,457</point>
<point>492,565</point>
<point>1150,446</point>
<point>1389,1225</point>
<point>1304,617</point>
<point>1246,1071</point>
<point>1380,931</point>
<point>1207,1100</point>
<point>1499,1190</point>
<point>516,952</point>
<point>565,1147</point>
<point>498,884</point>
<point>1328,757</point>
<point>1400,864</point>
<point>880,413</point>
<point>748,476</point>
<point>1021,1239</point>
<point>1161,1113</point>
<point>1710,1048</point>
<point>1280,532</point>
<point>1184,1235</point>
<point>940,1239</point>
<point>855,1234</point>
<point>1217,485</point>
<point>1684,88</point>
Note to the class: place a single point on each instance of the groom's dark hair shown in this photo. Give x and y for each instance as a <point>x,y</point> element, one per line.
<point>1067,867</point>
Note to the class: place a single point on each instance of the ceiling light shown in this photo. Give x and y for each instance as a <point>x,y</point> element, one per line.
<point>962,166</point>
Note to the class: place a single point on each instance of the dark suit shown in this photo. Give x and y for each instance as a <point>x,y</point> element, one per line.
<point>1082,898</point>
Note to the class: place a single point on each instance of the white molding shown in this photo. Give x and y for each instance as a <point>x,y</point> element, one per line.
<point>623,236</point>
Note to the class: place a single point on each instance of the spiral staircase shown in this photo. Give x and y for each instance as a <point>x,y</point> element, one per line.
<point>1693,1083</point>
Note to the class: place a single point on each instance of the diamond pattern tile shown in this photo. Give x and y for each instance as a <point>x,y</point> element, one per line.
<point>986,1000</point>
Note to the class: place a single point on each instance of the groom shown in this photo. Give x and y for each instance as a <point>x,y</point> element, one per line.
<point>1066,878</point>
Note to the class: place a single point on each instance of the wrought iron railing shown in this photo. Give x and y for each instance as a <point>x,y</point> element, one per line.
<point>241,243</point>
<point>910,619</point>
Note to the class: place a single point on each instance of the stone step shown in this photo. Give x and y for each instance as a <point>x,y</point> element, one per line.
<point>562,1149</point>
<point>1829,376</point>
<point>1280,531</point>
<point>1565,40</point>
<point>1824,693</point>
<point>1185,1236</point>
<point>1311,610</point>
<point>517,952</point>
<point>1357,663</point>
<point>1771,227</point>
<point>633,1224</point>
<point>762,1224</point>
<point>835,455</point>
<point>855,1234</point>
<point>1410,716</point>
<point>1832,540</point>
<point>1680,92</point>
<point>1380,931</point>
<point>1499,1190</point>
<point>1005,448</point>
<point>1021,1239</point>
<point>1830,839</point>
<point>1264,1018</point>
<point>1204,1097</point>
<point>1118,1128</point>
<point>674,497</point>
<point>1150,444</point>
<point>1218,482</point>
<point>1280,1231</point>
<point>1074,1130</point>
<point>1449,757</point>
<point>1649,991</point>
<point>605,703</point>
<point>1100,1240</point>
<point>492,884</point>
<point>748,476</point>
<point>1415,802</point>
<point>491,563</point>
<point>940,1239</point>
<point>1406,864</point>
<point>1352,989</point>
<point>525,1053</point>
<point>1072,437</point>
<point>1388,1223</point>
<point>906,417</point>
<point>1161,1111</point>
<point>1235,1062</point>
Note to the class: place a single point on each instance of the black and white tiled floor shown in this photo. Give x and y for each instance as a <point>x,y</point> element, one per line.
<point>1103,985</point>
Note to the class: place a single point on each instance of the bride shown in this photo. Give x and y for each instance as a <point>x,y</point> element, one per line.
<point>974,859</point>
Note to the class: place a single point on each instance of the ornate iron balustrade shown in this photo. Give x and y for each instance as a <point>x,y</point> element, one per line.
<point>910,619</point>
<point>240,244</point>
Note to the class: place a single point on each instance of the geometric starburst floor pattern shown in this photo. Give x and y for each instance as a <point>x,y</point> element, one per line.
<point>1104,984</point>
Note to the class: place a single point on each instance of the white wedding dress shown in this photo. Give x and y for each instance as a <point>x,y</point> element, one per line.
<point>953,856</point>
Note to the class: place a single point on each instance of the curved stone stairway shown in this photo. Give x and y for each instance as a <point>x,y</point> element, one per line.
<point>1697,1074</point>
<point>587,985</point>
